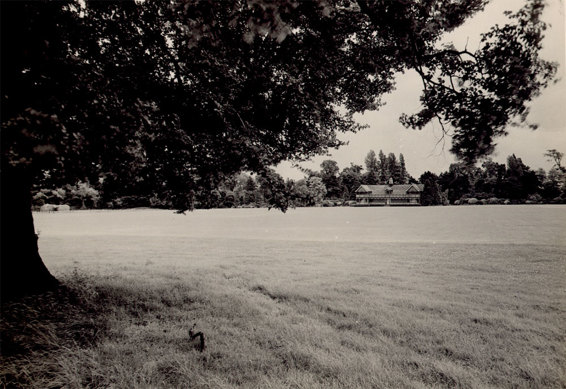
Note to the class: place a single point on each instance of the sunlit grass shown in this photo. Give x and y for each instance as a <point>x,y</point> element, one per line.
<point>292,314</point>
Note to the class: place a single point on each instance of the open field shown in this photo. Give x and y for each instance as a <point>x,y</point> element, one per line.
<point>471,297</point>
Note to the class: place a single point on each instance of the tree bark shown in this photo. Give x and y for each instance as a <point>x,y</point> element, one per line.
<point>22,270</point>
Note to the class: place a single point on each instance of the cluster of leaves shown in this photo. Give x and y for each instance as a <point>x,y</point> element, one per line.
<point>479,94</point>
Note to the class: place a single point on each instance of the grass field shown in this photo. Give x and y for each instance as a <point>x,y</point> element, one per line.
<point>470,297</point>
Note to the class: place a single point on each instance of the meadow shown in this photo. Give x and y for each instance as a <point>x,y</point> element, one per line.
<point>431,297</point>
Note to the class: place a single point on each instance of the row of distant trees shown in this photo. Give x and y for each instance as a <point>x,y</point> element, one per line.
<point>329,185</point>
<point>492,181</point>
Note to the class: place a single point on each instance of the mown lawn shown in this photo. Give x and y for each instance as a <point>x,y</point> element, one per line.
<point>300,314</point>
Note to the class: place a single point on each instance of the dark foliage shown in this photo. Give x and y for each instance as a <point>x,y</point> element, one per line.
<point>431,192</point>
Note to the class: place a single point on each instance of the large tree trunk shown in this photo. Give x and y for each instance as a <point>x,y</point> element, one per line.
<point>22,269</point>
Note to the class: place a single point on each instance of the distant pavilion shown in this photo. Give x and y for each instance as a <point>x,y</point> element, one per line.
<point>409,194</point>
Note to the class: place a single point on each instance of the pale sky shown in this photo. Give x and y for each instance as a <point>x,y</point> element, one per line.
<point>420,148</point>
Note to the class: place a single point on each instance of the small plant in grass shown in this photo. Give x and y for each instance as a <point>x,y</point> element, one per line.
<point>193,335</point>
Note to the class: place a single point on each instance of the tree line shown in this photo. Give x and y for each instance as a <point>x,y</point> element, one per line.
<point>495,183</point>
<point>327,186</point>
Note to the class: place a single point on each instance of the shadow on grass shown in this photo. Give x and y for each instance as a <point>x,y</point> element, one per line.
<point>40,334</point>
<point>36,329</point>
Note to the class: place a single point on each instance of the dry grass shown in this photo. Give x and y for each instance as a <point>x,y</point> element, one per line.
<point>306,314</point>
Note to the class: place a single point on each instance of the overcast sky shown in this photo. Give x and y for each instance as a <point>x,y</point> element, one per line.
<point>420,148</point>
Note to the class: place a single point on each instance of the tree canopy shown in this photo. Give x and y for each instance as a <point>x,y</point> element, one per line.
<point>174,94</point>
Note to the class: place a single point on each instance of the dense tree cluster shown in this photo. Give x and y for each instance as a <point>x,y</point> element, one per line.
<point>495,183</point>
<point>381,169</point>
